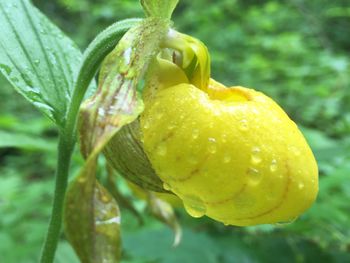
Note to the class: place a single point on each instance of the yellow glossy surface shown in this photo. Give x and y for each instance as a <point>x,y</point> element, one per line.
<point>231,154</point>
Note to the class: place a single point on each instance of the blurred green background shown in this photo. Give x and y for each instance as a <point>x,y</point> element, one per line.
<point>295,51</point>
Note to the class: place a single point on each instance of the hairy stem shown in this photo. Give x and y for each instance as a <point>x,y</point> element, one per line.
<point>93,56</point>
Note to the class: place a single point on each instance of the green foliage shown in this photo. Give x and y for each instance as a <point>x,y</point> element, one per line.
<point>37,58</point>
<point>295,51</point>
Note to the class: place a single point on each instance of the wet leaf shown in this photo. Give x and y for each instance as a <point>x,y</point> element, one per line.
<point>37,58</point>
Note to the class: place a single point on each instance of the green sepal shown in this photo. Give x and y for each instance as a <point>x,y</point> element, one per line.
<point>159,8</point>
<point>164,212</point>
<point>92,219</point>
<point>115,104</point>
<point>125,154</point>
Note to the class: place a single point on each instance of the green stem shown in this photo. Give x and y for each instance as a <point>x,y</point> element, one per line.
<point>65,149</point>
<point>93,56</point>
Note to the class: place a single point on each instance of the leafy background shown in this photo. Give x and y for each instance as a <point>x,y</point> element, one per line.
<point>295,51</point>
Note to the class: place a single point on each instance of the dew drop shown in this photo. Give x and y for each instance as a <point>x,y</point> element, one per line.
<point>6,68</point>
<point>146,125</point>
<point>301,186</point>
<point>161,149</point>
<point>256,158</point>
<point>166,187</point>
<point>243,125</point>
<point>224,138</point>
<point>294,150</point>
<point>37,62</point>
<point>227,158</point>
<point>195,134</point>
<point>254,175</point>
<point>273,166</point>
<point>194,206</point>
<point>212,145</point>
<point>171,127</point>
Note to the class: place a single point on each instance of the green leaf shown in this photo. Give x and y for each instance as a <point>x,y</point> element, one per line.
<point>23,141</point>
<point>37,58</point>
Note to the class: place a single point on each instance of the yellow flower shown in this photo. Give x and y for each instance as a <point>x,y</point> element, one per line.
<point>229,153</point>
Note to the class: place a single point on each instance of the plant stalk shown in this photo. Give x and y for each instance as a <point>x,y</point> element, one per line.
<point>65,149</point>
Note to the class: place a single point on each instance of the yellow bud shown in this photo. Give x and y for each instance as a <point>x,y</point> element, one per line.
<point>229,153</point>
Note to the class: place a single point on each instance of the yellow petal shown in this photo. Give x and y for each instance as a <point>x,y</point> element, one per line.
<point>231,154</point>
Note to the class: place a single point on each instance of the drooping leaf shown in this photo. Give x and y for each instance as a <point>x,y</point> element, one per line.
<point>115,104</point>
<point>37,58</point>
<point>164,212</point>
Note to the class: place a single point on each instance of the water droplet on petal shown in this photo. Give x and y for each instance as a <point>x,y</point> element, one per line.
<point>227,158</point>
<point>273,166</point>
<point>224,138</point>
<point>212,145</point>
<point>243,125</point>
<point>195,134</point>
<point>194,206</point>
<point>166,187</point>
<point>301,186</point>
<point>294,150</point>
<point>171,127</point>
<point>254,175</point>
<point>146,125</point>
<point>161,149</point>
<point>256,158</point>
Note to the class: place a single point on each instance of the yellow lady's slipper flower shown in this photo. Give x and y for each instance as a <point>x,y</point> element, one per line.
<point>229,153</point>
